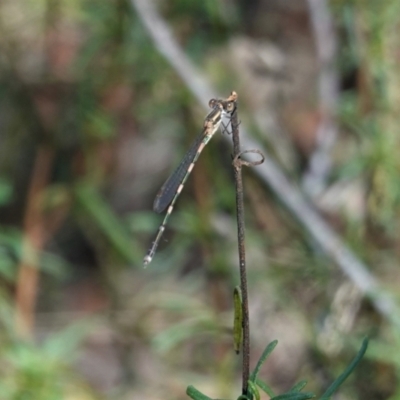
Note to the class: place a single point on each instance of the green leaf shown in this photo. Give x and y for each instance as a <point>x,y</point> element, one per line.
<point>298,387</point>
<point>170,337</point>
<point>63,345</point>
<point>253,390</point>
<point>100,125</point>
<point>194,394</point>
<point>238,319</point>
<point>262,385</point>
<point>268,350</point>
<point>106,221</point>
<point>294,396</point>
<point>8,266</point>
<point>341,378</point>
<point>6,191</point>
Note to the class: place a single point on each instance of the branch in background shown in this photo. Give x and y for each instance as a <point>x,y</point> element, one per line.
<point>320,163</point>
<point>33,243</point>
<point>269,171</point>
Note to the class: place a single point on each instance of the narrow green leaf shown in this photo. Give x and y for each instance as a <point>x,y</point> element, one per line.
<point>253,389</point>
<point>64,344</point>
<point>198,325</point>
<point>238,319</point>
<point>194,394</point>
<point>6,191</point>
<point>106,220</point>
<point>262,385</point>
<point>268,350</point>
<point>8,267</point>
<point>294,396</point>
<point>341,378</point>
<point>298,387</point>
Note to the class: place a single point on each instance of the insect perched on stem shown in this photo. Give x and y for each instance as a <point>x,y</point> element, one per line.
<point>173,186</point>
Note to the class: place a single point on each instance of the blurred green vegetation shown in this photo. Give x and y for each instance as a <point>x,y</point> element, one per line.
<point>93,119</point>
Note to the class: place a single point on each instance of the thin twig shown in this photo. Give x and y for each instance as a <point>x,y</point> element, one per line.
<point>314,180</point>
<point>269,171</point>
<point>237,167</point>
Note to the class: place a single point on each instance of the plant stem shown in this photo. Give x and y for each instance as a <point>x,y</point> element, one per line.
<point>237,166</point>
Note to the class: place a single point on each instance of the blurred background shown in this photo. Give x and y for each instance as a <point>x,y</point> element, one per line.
<point>93,118</point>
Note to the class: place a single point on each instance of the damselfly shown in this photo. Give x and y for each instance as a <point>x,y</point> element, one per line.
<point>173,186</point>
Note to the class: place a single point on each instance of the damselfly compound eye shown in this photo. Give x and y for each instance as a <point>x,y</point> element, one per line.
<point>212,103</point>
<point>230,106</point>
